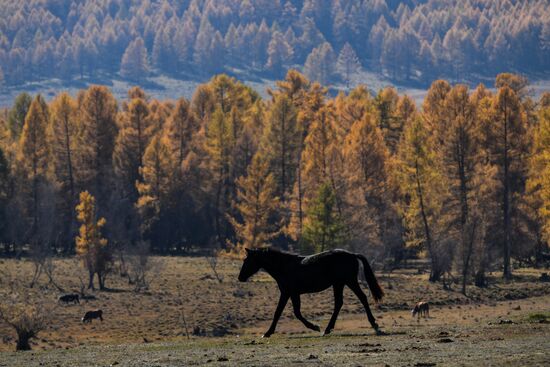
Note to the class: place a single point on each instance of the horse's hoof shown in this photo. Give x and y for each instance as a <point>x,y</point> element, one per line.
<point>316,328</point>
<point>266,335</point>
<point>326,332</point>
<point>379,332</point>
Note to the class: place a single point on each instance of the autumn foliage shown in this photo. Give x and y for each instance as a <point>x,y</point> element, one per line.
<point>461,179</point>
<point>90,245</point>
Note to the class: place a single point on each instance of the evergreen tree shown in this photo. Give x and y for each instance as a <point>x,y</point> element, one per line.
<point>323,228</point>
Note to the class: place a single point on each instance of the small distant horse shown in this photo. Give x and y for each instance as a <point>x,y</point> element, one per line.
<point>90,315</point>
<point>421,309</point>
<point>296,275</point>
<point>68,298</point>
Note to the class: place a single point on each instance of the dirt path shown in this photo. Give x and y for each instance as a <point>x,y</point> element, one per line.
<point>455,335</point>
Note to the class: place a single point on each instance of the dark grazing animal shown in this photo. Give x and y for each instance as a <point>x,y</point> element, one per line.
<point>421,309</point>
<point>69,298</point>
<point>90,315</point>
<point>296,275</point>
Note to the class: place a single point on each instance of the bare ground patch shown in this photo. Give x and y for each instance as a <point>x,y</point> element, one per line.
<point>147,329</point>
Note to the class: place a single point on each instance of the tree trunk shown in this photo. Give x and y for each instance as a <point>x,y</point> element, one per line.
<point>467,256</point>
<point>23,341</point>
<point>91,281</point>
<point>507,273</point>
<point>37,272</point>
<point>435,272</point>
<point>101,280</point>
<point>481,279</point>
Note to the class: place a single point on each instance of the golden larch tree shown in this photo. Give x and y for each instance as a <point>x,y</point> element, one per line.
<point>33,153</point>
<point>538,183</point>
<point>180,128</point>
<point>134,132</point>
<point>422,189</point>
<point>369,186</point>
<point>256,204</point>
<point>281,142</point>
<point>506,142</point>
<point>97,134</point>
<point>156,184</point>
<point>91,247</point>
<point>63,136</point>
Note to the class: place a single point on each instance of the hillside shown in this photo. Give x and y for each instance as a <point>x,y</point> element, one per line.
<point>410,42</point>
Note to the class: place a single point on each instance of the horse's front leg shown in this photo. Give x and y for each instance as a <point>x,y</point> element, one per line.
<point>283,299</point>
<point>296,304</point>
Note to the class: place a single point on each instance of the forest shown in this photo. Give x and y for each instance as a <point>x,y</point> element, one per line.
<point>408,41</point>
<point>463,180</point>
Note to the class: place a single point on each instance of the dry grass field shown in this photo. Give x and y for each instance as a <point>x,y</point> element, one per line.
<point>504,324</point>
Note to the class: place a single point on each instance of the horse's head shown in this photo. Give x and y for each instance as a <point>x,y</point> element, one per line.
<point>251,265</point>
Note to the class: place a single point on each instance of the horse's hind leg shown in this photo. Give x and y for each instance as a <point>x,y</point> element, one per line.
<point>280,307</point>
<point>356,288</point>
<point>296,305</point>
<point>338,302</point>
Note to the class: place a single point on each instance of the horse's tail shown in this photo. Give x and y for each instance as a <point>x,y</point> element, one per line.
<point>375,289</point>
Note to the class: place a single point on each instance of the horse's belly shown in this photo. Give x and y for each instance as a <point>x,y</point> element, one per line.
<point>315,289</point>
<point>312,285</point>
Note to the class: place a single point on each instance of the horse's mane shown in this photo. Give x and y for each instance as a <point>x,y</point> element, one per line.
<point>275,250</point>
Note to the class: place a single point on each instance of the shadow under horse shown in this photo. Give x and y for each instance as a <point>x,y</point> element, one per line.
<point>296,275</point>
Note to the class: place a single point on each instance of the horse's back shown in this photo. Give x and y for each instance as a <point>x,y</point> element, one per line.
<point>320,271</point>
<point>330,256</point>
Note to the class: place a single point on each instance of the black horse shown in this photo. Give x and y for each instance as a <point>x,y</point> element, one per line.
<point>296,275</point>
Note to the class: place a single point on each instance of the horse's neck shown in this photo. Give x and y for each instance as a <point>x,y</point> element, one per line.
<point>276,264</point>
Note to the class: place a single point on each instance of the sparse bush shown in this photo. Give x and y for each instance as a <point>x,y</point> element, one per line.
<point>212,259</point>
<point>27,319</point>
<point>140,265</point>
